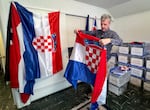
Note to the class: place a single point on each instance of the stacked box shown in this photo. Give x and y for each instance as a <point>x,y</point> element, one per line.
<point>147,75</point>
<point>140,49</point>
<point>135,81</point>
<point>112,61</point>
<point>124,48</point>
<point>137,71</point>
<point>147,86</point>
<point>118,80</point>
<point>123,58</point>
<point>117,90</point>
<point>137,60</point>
<point>148,62</point>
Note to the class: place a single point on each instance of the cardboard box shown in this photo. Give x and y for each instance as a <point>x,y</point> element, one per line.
<point>117,90</point>
<point>136,81</point>
<point>147,86</point>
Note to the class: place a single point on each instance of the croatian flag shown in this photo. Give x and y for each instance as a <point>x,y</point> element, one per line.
<point>94,24</point>
<point>35,50</point>
<point>87,64</point>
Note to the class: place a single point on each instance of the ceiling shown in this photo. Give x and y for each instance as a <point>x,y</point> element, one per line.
<point>120,8</point>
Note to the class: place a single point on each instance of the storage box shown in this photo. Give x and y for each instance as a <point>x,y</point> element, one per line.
<point>147,86</point>
<point>113,58</point>
<point>147,76</point>
<point>124,48</point>
<point>123,58</point>
<point>136,81</point>
<point>140,49</point>
<point>118,77</point>
<point>148,62</point>
<point>137,71</point>
<point>117,90</point>
<point>137,61</point>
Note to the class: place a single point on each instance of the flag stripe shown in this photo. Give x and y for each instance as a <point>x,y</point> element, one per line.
<point>14,49</point>
<point>30,55</point>
<point>56,54</point>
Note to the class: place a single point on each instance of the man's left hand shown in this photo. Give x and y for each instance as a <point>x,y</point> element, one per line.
<point>105,41</point>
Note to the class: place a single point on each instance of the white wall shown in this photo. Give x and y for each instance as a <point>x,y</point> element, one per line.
<point>134,27</point>
<point>67,6</point>
<point>2,52</point>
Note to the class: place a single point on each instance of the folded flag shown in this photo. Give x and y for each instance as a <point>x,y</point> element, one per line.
<point>87,64</point>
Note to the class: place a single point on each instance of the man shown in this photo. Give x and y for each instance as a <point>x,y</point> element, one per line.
<point>108,38</point>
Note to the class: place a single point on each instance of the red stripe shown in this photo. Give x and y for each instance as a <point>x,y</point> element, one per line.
<point>15,55</point>
<point>54,29</point>
<point>100,77</point>
<point>14,49</point>
<point>81,36</point>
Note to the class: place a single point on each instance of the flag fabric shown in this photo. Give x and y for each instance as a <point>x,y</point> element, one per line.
<point>35,50</point>
<point>87,23</point>
<point>87,64</point>
<point>9,34</point>
<point>94,27</point>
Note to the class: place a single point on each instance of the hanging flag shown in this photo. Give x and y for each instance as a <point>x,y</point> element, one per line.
<point>94,24</point>
<point>9,34</point>
<point>87,23</point>
<point>87,64</point>
<point>37,47</point>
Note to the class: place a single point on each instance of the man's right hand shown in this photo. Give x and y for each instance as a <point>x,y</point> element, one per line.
<point>76,31</point>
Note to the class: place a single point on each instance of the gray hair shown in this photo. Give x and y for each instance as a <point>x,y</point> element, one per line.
<point>106,16</point>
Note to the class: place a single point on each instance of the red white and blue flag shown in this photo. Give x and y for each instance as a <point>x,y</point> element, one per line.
<point>88,64</point>
<point>35,49</point>
<point>94,27</point>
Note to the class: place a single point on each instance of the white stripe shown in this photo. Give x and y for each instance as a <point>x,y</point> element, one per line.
<point>48,55</point>
<point>21,68</point>
<point>78,53</point>
<point>42,28</point>
<point>102,97</point>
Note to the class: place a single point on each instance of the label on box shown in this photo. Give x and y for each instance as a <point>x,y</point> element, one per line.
<point>137,61</point>
<point>147,75</point>
<point>148,64</point>
<point>147,86</point>
<point>136,72</point>
<point>123,58</point>
<point>136,51</point>
<point>124,50</point>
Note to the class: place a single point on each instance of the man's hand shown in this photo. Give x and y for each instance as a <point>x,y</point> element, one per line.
<point>76,31</point>
<point>104,41</point>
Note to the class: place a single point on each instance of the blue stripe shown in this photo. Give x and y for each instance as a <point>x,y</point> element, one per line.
<point>30,55</point>
<point>78,71</point>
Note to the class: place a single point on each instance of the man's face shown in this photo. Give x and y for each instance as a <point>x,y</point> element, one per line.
<point>105,24</point>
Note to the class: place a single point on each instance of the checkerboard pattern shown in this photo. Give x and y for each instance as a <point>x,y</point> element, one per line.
<point>42,43</point>
<point>92,58</point>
